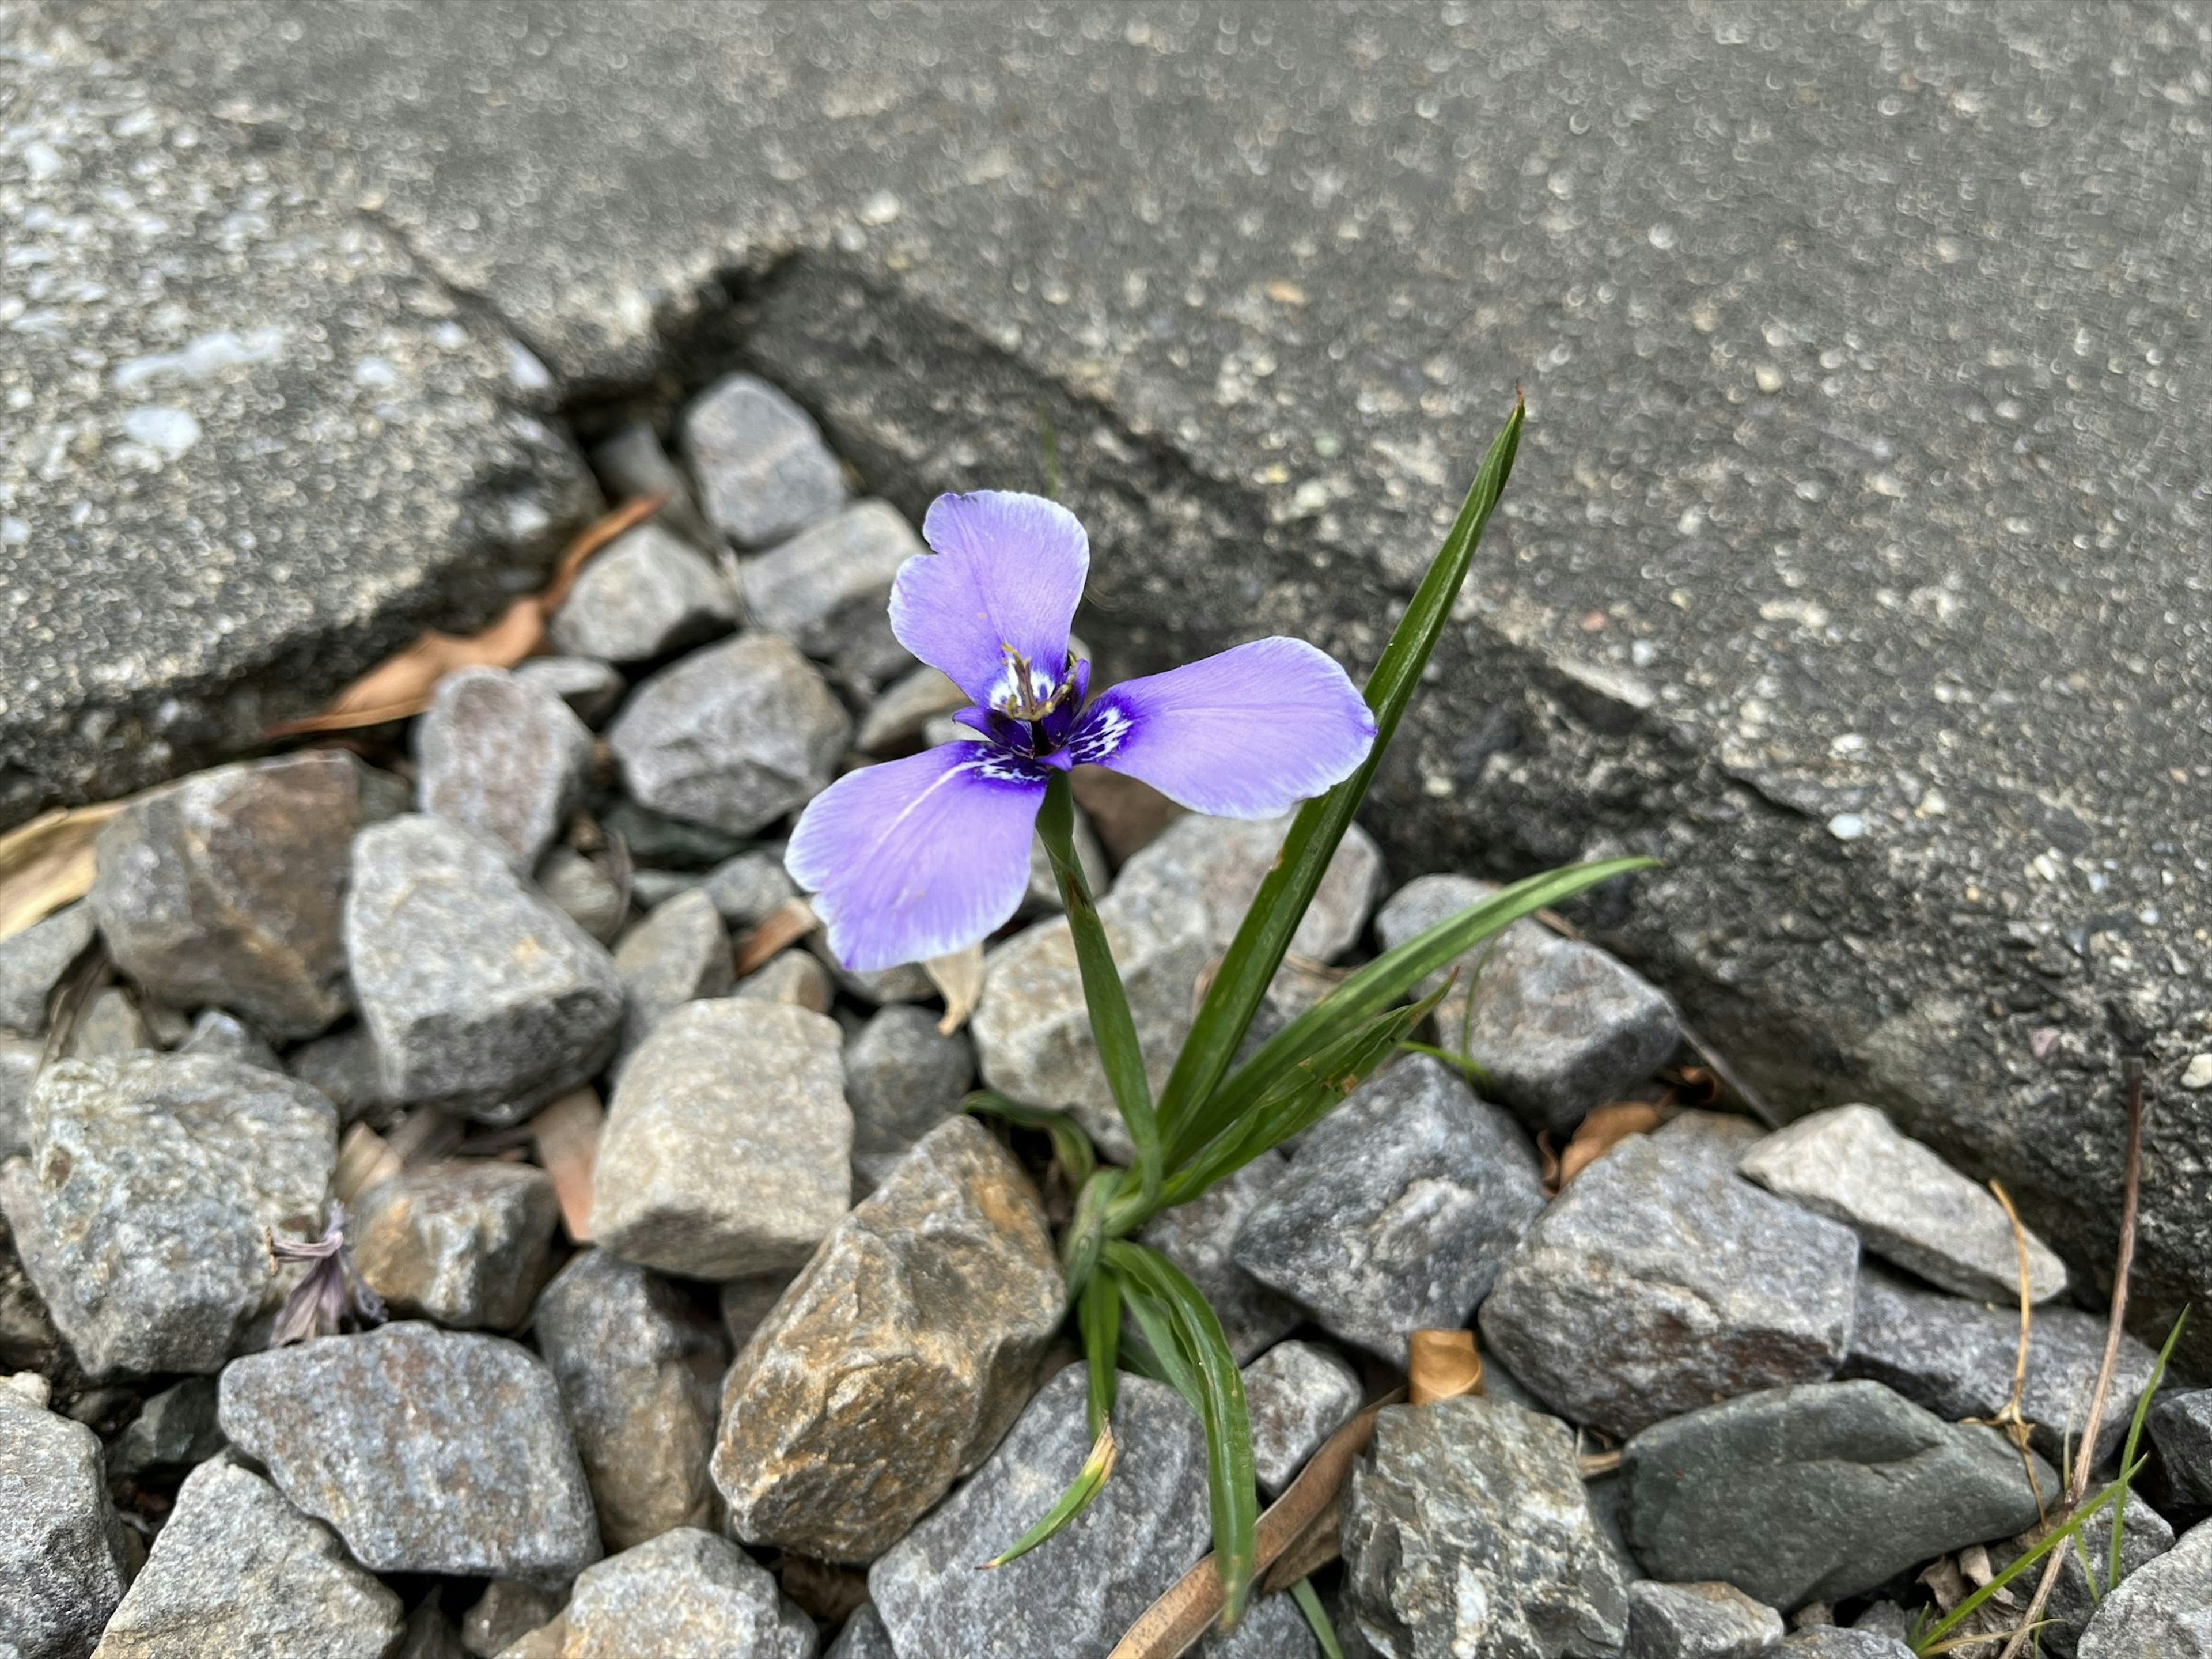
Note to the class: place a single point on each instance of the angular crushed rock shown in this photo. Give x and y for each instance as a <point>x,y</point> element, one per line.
<point>1466,1530</point>
<point>637,1365</point>
<point>32,961</point>
<point>1818,1491</point>
<point>481,997</point>
<point>583,893</point>
<point>896,1360</point>
<point>685,1592</point>
<point>428,1450</point>
<point>1558,1026</point>
<point>645,594</point>
<point>19,1065</point>
<point>762,467</point>
<point>1828,1642</point>
<point>110,1025</point>
<point>2163,1611</point>
<point>61,1545</point>
<point>2180,1427</point>
<point>1907,1204</point>
<point>902,1077</point>
<point>728,1146</point>
<point>794,977</point>
<point>749,887</point>
<point>509,1610</point>
<point>863,1637</point>
<point>826,589</point>
<point>142,1212</point>
<point>897,717</point>
<point>344,1067</point>
<point>236,1570</point>
<point>732,737</point>
<point>503,756</point>
<point>1661,1281</point>
<point>225,1037</point>
<point>1220,862</point>
<point>1709,1620</point>
<point>592,689</point>
<point>2073,1603</point>
<point>1296,1394</point>
<point>174,1430</point>
<point>226,889</point>
<point>461,1242</point>
<point>1200,1239</point>
<point>1399,1209</point>
<point>678,953</point>
<point>1145,1528</point>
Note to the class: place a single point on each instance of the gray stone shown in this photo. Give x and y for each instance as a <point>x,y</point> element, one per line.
<point>176,1429</point>
<point>1466,1530</point>
<point>19,1065</point>
<point>504,758</point>
<point>678,953</point>
<point>226,889</point>
<point>226,1036</point>
<point>1272,1628</point>
<point>1956,1357</point>
<point>728,1146</point>
<point>1142,1532</point>
<point>592,689</point>
<point>1200,1239</point>
<point>902,1077</point>
<point>638,1366</point>
<point>61,1545</point>
<point>898,1357</point>
<point>2180,1427</point>
<point>462,1242</point>
<point>1220,862</point>
<point>1907,1204</point>
<point>2143,1538</point>
<point>762,467</point>
<point>1709,1620</point>
<point>685,1592</point>
<point>509,1610</point>
<point>645,594</point>
<point>236,1570</point>
<point>428,1450</point>
<point>1818,1491</point>
<point>1399,1209</point>
<point>792,977</point>
<point>748,888</point>
<point>631,462</point>
<point>732,737</point>
<point>1557,1025</point>
<point>1032,1028</point>
<point>1828,1642</point>
<point>894,720</point>
<point>828,591</point>
<point>110,1025</point>
<point>142,1211</point>
<point>657,843</point>
<point>482,996</point>
<point>583,893</point>
<point>2163,1611</point>
<point>1297,1396</point>
<point>32,961</point>
<point>343,1065</point>
<point>863,1637</point>
<point>908,982</point>
<point>746,1302</point>
<point>1661,1281</point>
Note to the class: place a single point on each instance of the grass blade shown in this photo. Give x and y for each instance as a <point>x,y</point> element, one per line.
<point>1089,1480</point>
<point>1276,910</point>
<point>1070,1145</point>
<point>1099,1316</point>
<point>1308,1601</point>
<point>1234,1493</point>
<point>1111,1025</point>
<point>1376,987</point>
<point>2128,1453</point>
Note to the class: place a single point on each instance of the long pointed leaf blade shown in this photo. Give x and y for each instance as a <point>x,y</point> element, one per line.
<point>1383,981</point>
<point>1099,1315</point>
<point>1308,1601</point>
<point>1089,1480</point>
<point>1265,934</point>
<point>2127,1452</point>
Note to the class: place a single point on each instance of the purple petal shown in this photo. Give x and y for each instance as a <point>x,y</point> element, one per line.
<point>1005,576</point>
<point>1244,734</point>
<point>919,857</point>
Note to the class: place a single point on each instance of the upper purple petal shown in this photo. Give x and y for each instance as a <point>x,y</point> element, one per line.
<point>920,857</point>
<point>1005,577</point>
<point>1244,734</point>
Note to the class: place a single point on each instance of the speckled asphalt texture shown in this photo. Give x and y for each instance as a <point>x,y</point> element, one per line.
<point>1853,561</point>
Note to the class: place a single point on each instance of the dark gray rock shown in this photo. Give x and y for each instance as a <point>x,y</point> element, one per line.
<point>896,1358</point>
<point>428,1450</point>
<point>1557,1024</point>
<point>747,888</point>
<point>142,1210</point>
<point>236,1570</point>
<point>762,467</point>
<point>894,720</point>
<point>906,982</point>
<point>1661,1281</point>
<point>1272,1628</point>
<point>795,977</point>
<point>593,690</point>
<point>1709,1620</point>
<point>2144,1537</point>
<point>644,595</point>
<point>902,1077</point>
<point>1818,1491</point>
<point>638,1367</point>
<point>110,1025</point>
<point>679,952</point>
<point>745,1303</point>
<point>19,1067</point>
<point>174,1430</point>
<point>732,737</point>
<point>343,1065</point>
<point>631,462</point>
<point>660,843</point>
<point>2163,1611</point>
<point>226,1036</point>
<point>462,1242</point>
<point>1142,1532</point>
<point>728,1144</point>
<point>1200,1239</point>
<point>508,1610</point>
<point>1399,1208</point>
<point>1296,1395</point>
<point>1829,1642</point>
<point>651,888</point>
<point>226,889</point>
<point>2180,1427</point>
<point>1467,1528</point>
<point>32,961</point>
<point>583,893</point>
<point>1956,1357</point>
<point>685,1592</point>
<point>482,996</point>
<point>61,1545</point>
<point>826,590</point>
<point>503,756</point>
<point>863,1637</point>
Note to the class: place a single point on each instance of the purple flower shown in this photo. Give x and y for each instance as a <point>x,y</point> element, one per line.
<point>329,1293</point>
<point>922,857</point>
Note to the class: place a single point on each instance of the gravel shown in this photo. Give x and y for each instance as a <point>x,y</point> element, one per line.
<point>2180,1427</point>
<point>2163,1611</point>
<point>463,1243</point>
<point>503,756</point>
<point>1200,1239</point>
<point>61,1545</point>
<point>762,467</point>
<point>1220,863</point>
<point>902,1077</point>
<point>593,690</point>
<point>645,594</point>
<point>685,1592</point>
<point>225,1037</point>
<point>32,961</point>
<point>678,953</point>
<point>1296,1395</point>
<point>174,1430</point>
<point>749,887</point>
<point>583,893</point>
<point>826,589</point>
<point>1709,1620</point>
<point>794,977</point>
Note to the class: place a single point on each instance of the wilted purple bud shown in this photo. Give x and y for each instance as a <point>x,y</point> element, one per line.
<point>329,1294</point>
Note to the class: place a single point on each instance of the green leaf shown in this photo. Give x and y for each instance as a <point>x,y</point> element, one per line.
<point>1376,987</point>
<point>2127,1453</point>
<point>1203,1353</point>
<point>1098,1313</point>
<point>1070,1145</point>
<point>1111,1026</point>
<point>1089,1480</point>
<point>1308,1601</point>
<point>1086,1228</point>
<point>1265,934</point>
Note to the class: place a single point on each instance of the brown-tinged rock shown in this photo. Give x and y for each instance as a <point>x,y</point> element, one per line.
<point>461,1242</point>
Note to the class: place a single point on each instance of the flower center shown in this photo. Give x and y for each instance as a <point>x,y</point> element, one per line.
<point>1027,693</point>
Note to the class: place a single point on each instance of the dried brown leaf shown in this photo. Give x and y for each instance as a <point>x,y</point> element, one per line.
<point>567,1133</point>
<point>48,863</point>
<point>1441,1365</point>
<point>782,927</point>
<point>1605,1128</point>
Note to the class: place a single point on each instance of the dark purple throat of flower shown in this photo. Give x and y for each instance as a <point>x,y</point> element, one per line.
<point>922,857</point>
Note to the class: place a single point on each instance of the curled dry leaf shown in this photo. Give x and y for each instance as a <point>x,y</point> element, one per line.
<point>567,1136</point>
<point>1605,1128</point>
<point>365,1159</point>
<point>782,927</point>
<point>1441,1365</point>
<point>959,979</point>
<point>48,863</point>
